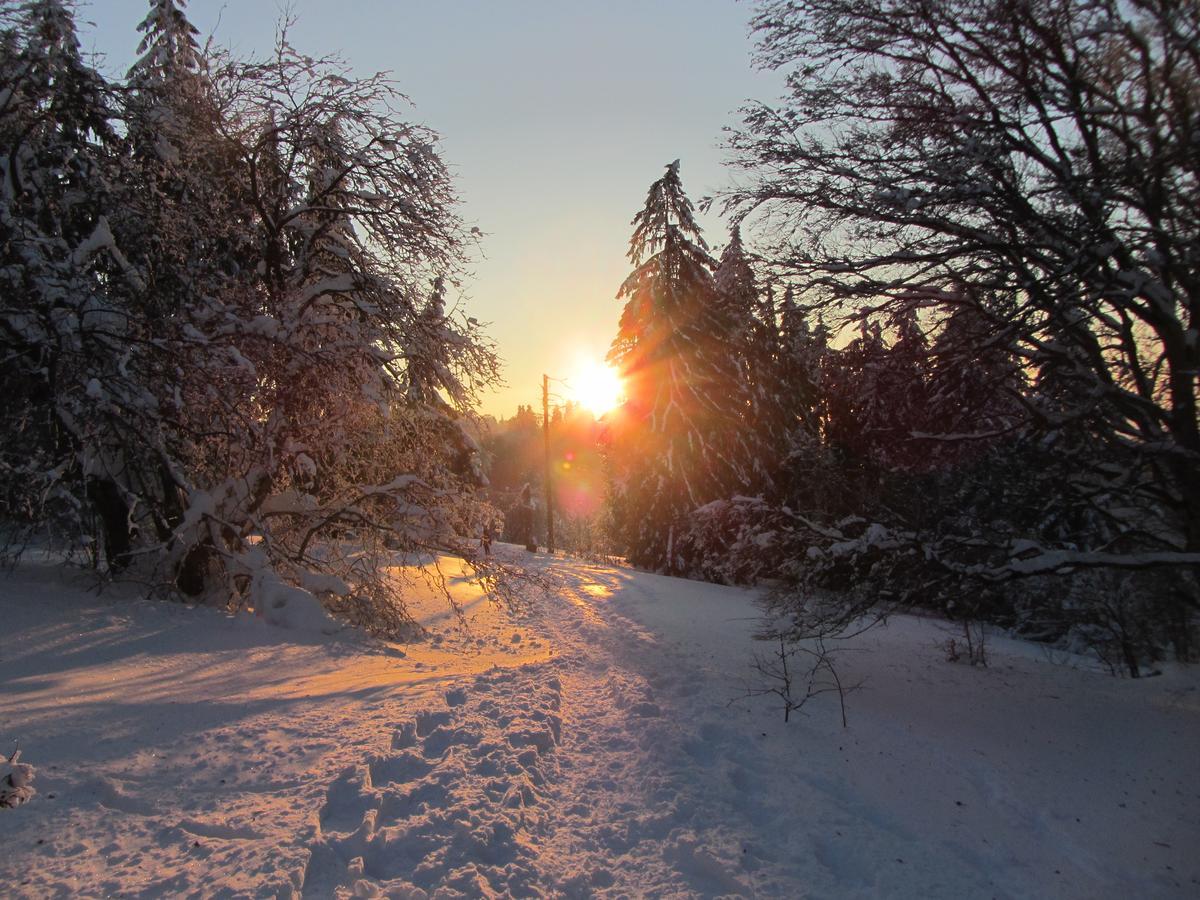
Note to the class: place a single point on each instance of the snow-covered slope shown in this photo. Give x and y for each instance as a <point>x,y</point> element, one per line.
<point>587,745</point>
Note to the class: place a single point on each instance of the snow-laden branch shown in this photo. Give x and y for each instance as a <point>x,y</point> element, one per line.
<point>1054,561</point>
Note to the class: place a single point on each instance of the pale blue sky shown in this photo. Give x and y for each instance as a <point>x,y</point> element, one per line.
<point>555,117</point>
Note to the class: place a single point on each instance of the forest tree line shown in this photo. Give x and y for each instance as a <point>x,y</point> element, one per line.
<point>515,455</point>
<point>958,369</point>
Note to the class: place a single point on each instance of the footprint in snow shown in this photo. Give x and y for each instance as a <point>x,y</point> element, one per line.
<point>398,769</point>
<point>452,807</point>
<point>443,739</point>
<point>346,799</point>
<point>428,720</point>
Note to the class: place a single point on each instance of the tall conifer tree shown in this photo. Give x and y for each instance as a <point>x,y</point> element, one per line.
<point>679,441</point>
<point>754,345</point>
<point>60,338</point>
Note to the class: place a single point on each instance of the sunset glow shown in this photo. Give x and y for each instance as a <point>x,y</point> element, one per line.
<point>596,387</point>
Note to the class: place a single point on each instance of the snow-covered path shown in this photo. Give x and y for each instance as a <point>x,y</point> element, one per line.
<point>585,746</point>
<point>554,777</point>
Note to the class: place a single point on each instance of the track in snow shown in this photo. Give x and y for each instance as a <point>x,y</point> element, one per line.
<point>544,779</point>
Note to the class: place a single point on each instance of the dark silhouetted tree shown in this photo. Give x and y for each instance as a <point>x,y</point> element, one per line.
<point>680,439</point>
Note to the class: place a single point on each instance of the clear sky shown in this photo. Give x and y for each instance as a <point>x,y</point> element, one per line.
<point>555,118</point>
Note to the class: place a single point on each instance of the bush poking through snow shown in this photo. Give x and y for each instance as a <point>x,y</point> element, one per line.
<point>973,646</point>
<point>796,684</point>
<point>16,786</point>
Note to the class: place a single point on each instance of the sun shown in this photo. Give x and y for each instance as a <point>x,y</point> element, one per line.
<point>597,388</point>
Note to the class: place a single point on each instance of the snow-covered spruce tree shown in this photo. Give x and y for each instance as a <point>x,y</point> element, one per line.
<point>680,440</point>
<point>188,207</point>
<point>803,348</point>
<point>905,383</point>
<point>738,291</point>
<point>976,388</point>
<point>756,345</point>
<point>806,480</point>
<point>1039,151</point>
<point>856,409</point>
<point>169,48</point>
<point>722,537</point>
<point>67,350</point>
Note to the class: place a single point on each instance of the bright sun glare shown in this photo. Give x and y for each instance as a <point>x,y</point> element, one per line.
<point>596,387</point>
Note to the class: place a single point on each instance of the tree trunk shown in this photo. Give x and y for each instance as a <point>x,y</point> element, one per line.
<point>113,513</point>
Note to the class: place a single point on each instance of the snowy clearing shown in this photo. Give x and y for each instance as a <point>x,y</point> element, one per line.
<point>586,746</point>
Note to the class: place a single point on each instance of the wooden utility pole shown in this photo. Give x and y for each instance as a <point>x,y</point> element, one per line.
<point>549,464</point>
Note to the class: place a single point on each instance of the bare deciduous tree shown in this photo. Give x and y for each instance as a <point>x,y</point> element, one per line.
<point>1034,161</point>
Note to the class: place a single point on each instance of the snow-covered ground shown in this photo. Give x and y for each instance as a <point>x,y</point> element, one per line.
<point>586,745</point>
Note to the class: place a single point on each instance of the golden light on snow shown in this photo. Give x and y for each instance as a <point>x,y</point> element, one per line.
<point>597,387</point>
